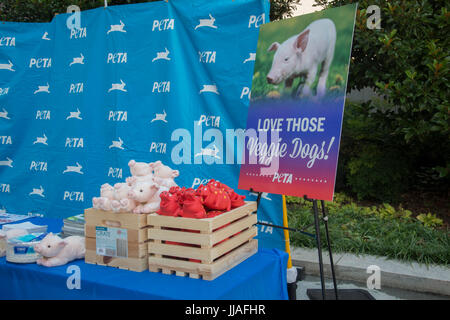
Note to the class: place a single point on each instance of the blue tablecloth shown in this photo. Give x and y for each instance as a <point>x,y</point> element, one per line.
<point>262,277</point>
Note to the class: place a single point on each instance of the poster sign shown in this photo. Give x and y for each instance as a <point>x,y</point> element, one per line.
<point>297,103</point>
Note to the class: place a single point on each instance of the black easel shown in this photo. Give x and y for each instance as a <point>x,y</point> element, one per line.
<point>319,247</point>
<point>318,241</point>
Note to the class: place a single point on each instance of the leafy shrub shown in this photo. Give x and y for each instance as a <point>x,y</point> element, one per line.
<point>429,220</point>
<point>376,230</point>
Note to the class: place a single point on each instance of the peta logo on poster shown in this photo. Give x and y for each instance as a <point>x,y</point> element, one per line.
<point>209,121</point>
<point>78,33</point>
<point>5,140</point>
<point>45,89</point>
<point>77,60</point>
<point>117,28</point>
<point>118,57</point>
<point>38,166</point>
<point>5,188</point>
<point>158,147</point>
<point>7,41</point>
<point>4,114</point>
<point>43,115</point>
<point>207,56</point>
<point>41,140</point>
<point>119,115</point>
<point>161,87</point>
<point>74,143</point>
<point>115,173</point>
<point>73,196</point>
<point>4,91</point>
<point>165,24</point>
<point>206,23</point>
<point>7,66</point>
<point>211,152</point>
<point>209,88</point>
<point>163,55</point>
<point>76,87</point>
<point>118,86</point>
<point>245,92</point>
<point>7,163</point>
<point>74,115</point>
<point>160,117</point>
<point>117,144</point>
<point>45,36</point>
<point>256,21</point>
<point>38,192</point>
<point>74,168</point>
<point>252,57</point>
<point>39,63</point>
<point>199,181</point>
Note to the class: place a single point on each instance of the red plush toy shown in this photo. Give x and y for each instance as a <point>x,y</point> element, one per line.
<point>236,199</point>
<point>193,207</point>
<point>214,198</point>
<point>169,205</point>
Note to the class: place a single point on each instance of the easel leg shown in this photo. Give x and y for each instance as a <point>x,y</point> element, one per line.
<point>325,220</point>
<point>319,247</point>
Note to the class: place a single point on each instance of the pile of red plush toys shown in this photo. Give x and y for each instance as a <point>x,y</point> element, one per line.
<point>207,201</point>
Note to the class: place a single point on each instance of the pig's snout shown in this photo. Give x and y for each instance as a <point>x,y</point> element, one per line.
<point>131,194</point>
<point>270,80</point>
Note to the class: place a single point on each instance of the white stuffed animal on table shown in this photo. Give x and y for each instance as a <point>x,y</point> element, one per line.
<point>140,172</point>
<point>146,194</point>
<point>121,202</point>
<point>106,196</point>
<point>164,175</point>
<point>57,252</point>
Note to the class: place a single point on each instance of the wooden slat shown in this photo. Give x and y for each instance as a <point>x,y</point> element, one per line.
<point>233,259</point>
<point>179,251</point>
<point>133,264</point>
<point>179,236</point>
<point>178,222</point>
<point>139,235</point>
<point>233,228</point>
<point>208,224</point>
<point>232,215</point>
<point>207,271</point>
<point>116,220</point>
<point>234,242</point>
<point>180,265</point>
<point>135,250</point>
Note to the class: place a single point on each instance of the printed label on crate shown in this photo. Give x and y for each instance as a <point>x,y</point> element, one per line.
<point>111,242</point>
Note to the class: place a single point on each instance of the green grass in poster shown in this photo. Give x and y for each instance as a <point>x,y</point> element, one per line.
<point>279,31</point>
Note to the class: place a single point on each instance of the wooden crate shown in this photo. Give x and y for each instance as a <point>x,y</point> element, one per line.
<point>206,248</point>
<point>136,228</point>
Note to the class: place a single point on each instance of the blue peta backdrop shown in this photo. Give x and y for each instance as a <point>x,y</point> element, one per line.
<point>165,81</point>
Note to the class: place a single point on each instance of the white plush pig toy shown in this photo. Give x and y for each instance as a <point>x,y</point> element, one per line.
<point>57,252</point>
<point>121,202</point>
<point>140,171</point>
<point>106,196</point>
<point>146,194</point>
<point>164,175</point>
<point>302,55</point>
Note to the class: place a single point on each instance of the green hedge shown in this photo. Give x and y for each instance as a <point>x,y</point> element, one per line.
<point>381,231</point>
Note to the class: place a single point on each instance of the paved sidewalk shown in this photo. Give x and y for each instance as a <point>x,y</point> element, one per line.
<point>394,274</point>
<point>313,282</point>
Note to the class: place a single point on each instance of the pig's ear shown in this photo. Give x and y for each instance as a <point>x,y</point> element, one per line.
<point>273,47</point>
<point>302,40</point>
<point>62,244</point>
